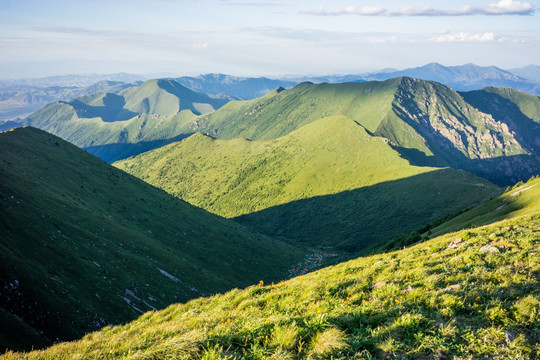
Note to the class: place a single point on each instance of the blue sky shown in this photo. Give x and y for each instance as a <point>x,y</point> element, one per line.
<point>270,37</point>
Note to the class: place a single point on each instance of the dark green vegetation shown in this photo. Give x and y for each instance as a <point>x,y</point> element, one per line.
<point>470,294</point>
<point>520,199</point>
<point>85,244</point>
<point>115,126</point>
<point>329,183</point>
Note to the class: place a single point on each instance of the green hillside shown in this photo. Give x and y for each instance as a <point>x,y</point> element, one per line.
<point>138,119</point>
<point>84,244</point>
<point>428,123</point>
<point>167,97</point>
<point>328,183</point>
<point>282,111</point>
<point>466,295</point>
<point>518,200</point>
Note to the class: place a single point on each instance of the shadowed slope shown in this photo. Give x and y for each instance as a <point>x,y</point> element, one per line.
<point>84,244</point>
<point>317,184</point>
<point>462,295</point>
<point>361,220</point>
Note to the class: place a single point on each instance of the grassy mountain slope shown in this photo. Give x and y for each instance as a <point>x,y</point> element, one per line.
<point>328,183</point>
<point>18,100</point>
<point>136,120</point>
<point>166,97</point>
<point>474,294</point>
<point>283,111</point>
<point>429,123</point>
<point>519,200</point>
<point>84,244</point>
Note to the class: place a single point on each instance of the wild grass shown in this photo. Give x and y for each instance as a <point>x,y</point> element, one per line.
<point>84,244</point>
<point>431,300</point>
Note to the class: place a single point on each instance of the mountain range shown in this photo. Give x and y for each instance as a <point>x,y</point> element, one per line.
<point>137,119</point>
<point>470,76</point>
<point>428,123</point>
<point>18,98</point>
<point>17,101</point>
<point>232,193</point>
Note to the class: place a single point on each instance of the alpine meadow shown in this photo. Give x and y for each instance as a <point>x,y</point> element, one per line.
<point>252,180</point>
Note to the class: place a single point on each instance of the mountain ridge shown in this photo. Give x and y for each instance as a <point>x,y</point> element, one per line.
<point>308,184</point>
<point>85,245</point>
<point>135,120</point>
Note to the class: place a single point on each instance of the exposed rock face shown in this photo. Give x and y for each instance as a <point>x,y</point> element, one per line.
<point>454,133</point>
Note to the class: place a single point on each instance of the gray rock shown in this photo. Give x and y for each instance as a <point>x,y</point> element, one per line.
<point>489,249</point>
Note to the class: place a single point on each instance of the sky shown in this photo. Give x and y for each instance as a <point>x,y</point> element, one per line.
<point>267,37</point>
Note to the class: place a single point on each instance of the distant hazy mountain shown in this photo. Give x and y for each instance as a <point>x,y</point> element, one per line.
<point>469,76</point>
<point>232,86</point>
<point>116,126</point>
<point>529,72</point>
<point>20,100</point>
<point>72,80</point>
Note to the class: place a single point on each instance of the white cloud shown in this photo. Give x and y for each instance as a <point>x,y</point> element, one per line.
<point>383,40</point>
<point>350,10</point>
<point>466,37</point>
<point>503,7</point>
<point>509,7</point>
<point>200,46</point>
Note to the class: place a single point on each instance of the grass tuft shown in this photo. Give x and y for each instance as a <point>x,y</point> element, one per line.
<point>328,342</point>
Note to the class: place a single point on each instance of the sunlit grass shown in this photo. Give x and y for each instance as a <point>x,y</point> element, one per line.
<point>434,301</point>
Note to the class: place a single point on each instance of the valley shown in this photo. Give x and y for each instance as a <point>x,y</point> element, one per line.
<point>208,193</point>
<point>463,294</point>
